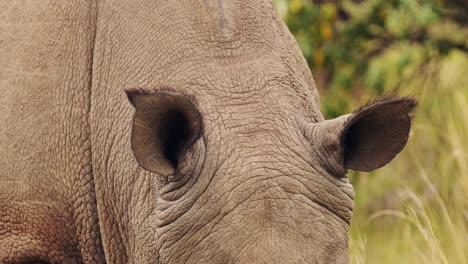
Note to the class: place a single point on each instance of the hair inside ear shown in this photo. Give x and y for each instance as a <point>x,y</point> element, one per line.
<point>376,133</point>
<point>165,125</point>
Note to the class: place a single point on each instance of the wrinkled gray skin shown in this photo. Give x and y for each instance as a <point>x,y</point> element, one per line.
<point>257,176</point>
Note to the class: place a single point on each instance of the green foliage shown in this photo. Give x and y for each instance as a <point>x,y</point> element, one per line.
<point>347,41</point>
<point>414,210</point>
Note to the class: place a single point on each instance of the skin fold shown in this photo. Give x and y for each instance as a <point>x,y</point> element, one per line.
<point>173,132</point>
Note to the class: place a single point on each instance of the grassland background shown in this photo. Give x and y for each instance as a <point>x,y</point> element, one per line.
<point>414,210</point>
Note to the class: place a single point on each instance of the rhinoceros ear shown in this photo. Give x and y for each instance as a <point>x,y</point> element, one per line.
<point>367,139</point>
<point>165,125</point>
<point>375,133</point>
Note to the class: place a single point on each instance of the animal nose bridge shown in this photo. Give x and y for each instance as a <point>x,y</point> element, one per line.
<point>271,247</point>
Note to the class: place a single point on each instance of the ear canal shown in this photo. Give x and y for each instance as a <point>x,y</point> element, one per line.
<point>376,133</point>
<point>165,125</point>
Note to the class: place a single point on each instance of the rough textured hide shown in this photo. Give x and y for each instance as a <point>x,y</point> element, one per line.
<point>47,203</point>
<point>254,174</point>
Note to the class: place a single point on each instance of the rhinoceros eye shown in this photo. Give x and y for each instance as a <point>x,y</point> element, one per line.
<point>165,125</point>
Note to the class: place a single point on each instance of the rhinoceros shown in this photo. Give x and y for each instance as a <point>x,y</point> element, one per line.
<point>151,131</point>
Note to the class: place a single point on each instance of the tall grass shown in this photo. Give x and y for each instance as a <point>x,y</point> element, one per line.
<point>415,210</point>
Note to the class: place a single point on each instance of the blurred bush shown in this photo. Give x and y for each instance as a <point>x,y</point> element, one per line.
<point>346,43</point>
<point>414,210</point>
